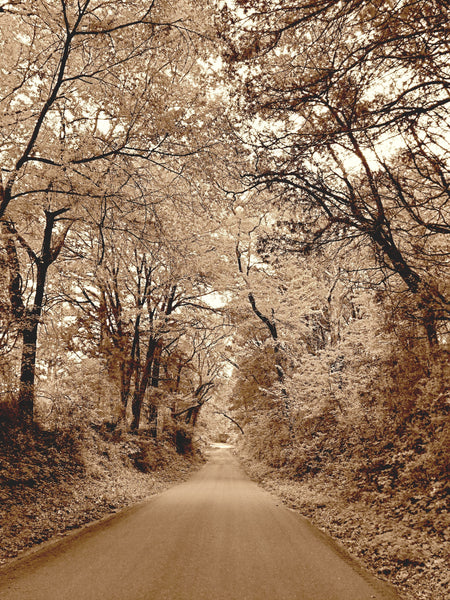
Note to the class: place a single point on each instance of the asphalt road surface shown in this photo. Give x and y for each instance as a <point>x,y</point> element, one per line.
<point>216,537</point>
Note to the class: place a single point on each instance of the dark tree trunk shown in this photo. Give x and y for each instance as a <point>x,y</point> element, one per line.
<point>128,367</point>
<point>125,384</point>
<point>142,384</point>
<point>195,414</point>
<point>427,301</point>
<point>156,365</point>
<point>31,317</point>
<point>29,350</point>
<point>27,375</point>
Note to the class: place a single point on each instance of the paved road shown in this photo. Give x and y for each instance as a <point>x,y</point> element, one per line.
<point>216,537</point>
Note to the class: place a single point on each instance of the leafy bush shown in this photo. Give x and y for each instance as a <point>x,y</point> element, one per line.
<point>151,455</point>
<point>183,441</point>
<point>30,457</point>
<point>8,413</point>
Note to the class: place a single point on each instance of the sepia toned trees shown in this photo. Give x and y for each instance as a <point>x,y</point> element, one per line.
<point>259,218</point>
<point>342,109</point>
<point>228,221</point>
<point>90,102</point>
<point>353,107</point>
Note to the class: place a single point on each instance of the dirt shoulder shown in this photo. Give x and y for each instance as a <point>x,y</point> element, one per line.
<point>52,484</point>
<point>389,537</point>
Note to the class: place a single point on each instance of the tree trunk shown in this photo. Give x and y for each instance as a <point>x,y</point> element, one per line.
<point>427,300</point>
<point>128,367</point>
<point>141,386</point>
<point>156,365</point>
<point>125,384</point>
<point>28,372</point>
<point>195,414</point>
<point>32,316</point>
<point>29,347</point>
<point>272,327</point>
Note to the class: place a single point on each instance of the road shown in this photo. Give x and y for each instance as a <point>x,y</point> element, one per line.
<point>216,537</point>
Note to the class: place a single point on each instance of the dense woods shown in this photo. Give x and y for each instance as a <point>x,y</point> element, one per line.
<point>230,221</point>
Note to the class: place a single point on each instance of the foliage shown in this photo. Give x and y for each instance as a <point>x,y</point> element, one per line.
<point>348,144</point>
<point>365,454</point>
<point>95,132</point>
<point>252,215</point>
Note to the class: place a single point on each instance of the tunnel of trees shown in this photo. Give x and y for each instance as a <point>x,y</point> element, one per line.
<point>240,207</point>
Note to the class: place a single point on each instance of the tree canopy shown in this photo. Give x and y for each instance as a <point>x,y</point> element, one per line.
<point>243,203</point>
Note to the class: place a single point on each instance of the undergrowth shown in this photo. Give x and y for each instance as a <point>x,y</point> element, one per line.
<point>55,481</point>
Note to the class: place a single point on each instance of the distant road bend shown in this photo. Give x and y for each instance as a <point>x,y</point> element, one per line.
<point>216,537</point>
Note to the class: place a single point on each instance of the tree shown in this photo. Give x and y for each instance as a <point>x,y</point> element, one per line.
<point>29,316</point>
<point>81,89</point>
<point>336,87</point>
<point>247,264</point>
<point>83,116</point>
<point>142,289</point>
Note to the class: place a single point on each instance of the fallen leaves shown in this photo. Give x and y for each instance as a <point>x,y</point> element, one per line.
<point>49,486</point>
<point>404,540</point>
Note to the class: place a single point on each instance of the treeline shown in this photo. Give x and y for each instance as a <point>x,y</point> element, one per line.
<point>250,193</point>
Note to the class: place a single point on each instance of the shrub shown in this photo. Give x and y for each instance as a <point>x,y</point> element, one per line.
<point>183,440</point>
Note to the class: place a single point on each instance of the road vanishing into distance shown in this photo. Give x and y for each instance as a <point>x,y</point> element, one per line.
<point>216,537</point>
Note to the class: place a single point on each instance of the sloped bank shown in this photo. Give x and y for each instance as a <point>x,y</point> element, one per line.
<point>51,483</point>
<point>385,533</point>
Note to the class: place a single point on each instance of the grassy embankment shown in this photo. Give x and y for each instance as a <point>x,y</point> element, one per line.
<point>402,537</point>
<point>51,483</point>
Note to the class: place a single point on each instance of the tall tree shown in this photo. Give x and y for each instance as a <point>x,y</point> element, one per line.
<point>29,316</point>
<point>347,138</point>
<point>88,104</point>
<point>142,288</point>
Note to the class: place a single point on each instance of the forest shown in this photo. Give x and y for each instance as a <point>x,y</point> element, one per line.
<point>227,221</point>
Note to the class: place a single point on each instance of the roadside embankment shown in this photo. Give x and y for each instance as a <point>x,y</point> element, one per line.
<point>51,483</point>
<point>391,535</point>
